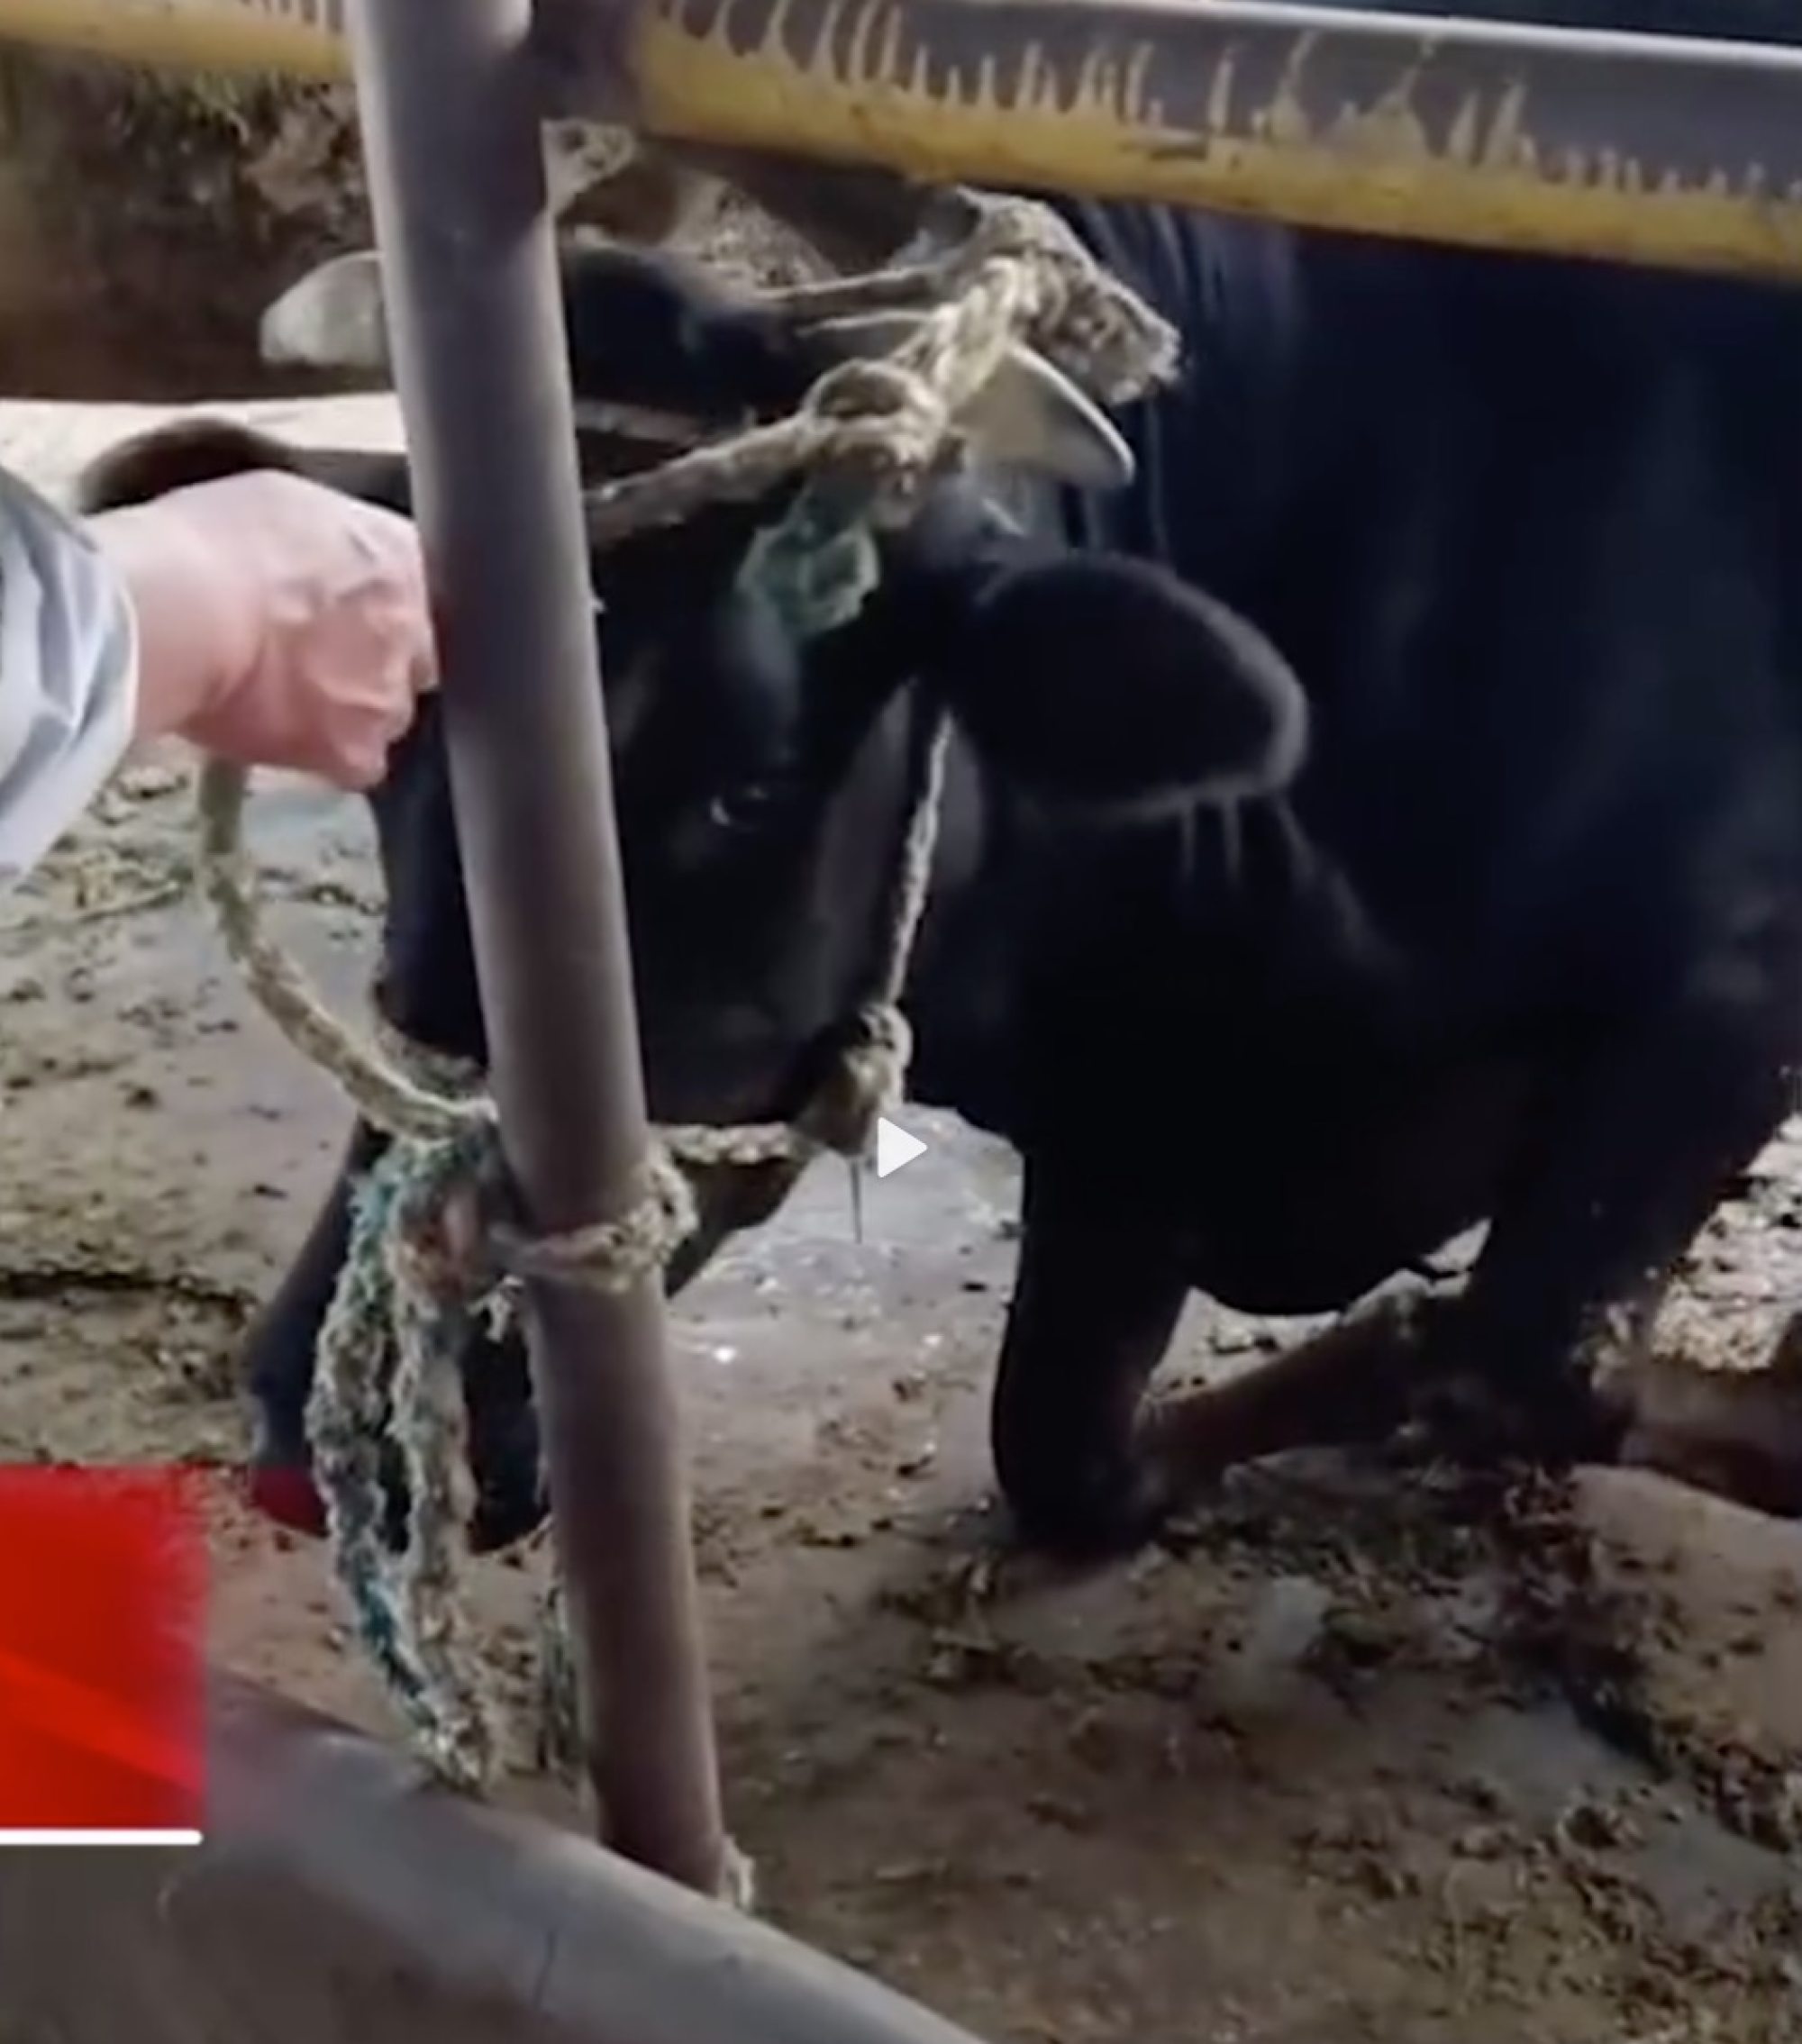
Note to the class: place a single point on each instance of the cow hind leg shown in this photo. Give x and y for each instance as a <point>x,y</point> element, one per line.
<point>1642,1145</point>
<point>1737,1433</point>
<point>1101,1287</point>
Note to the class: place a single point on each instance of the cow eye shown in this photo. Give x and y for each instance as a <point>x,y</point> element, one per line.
<point>744,808</point>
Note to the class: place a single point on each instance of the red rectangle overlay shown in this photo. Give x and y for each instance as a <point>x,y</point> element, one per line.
<point>102,1604</point>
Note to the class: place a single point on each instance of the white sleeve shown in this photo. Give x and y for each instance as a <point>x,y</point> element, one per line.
<point>68,675</point>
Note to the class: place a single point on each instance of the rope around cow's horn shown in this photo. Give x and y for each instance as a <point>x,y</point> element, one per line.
<point>883,425</point>
<point>434,1240</point>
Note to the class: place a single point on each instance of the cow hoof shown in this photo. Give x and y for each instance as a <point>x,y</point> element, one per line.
<point>1097,1516</point>
<point>504,1519</point>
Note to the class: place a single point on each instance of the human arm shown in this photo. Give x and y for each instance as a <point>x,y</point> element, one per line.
<point>260,616</point>
<point>278,623</point>
<point>68,675</point>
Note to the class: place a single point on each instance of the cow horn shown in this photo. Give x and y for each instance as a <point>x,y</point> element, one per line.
<point>333,319</point>
<point>1028,415</point>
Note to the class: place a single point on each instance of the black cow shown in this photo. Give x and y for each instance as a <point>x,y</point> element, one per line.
<point>767,864</point>
<point>1521,940</point>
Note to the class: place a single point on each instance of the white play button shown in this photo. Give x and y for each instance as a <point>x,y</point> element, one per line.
<point>894,1147</point>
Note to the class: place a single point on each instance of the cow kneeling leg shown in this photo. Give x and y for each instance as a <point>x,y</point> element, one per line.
<point>1639,1148</point>
<point>1101,1287</point>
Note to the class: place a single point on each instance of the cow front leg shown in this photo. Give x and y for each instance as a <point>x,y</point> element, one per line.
<point>277,1361</point>
<point>1637,1150</point>
<point>1102,1283</point>
<point>277,1356</point>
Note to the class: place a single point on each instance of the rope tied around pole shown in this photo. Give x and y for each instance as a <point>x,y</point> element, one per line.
<point>436,1240</point>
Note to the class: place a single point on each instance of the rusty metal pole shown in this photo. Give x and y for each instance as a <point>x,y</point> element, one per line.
<point>451,127</point>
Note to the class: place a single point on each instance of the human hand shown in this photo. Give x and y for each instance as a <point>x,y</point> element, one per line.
<point>279,623</point>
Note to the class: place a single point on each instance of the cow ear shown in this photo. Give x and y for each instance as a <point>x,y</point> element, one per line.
<point>1029,416</point>
<point>1107,686</point>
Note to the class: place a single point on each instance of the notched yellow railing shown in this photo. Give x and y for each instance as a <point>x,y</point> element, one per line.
<point>302,39</point>
<point>1499,138</point>
<point>1686,154</point>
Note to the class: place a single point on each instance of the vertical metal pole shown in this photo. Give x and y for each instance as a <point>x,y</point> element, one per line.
<point>451,129</point>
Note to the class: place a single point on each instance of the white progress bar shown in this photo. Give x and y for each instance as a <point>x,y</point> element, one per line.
<point>99,1838</point>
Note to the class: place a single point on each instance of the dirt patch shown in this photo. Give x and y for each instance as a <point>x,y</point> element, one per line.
<point>145,222</point>
<point>1362,1749</point>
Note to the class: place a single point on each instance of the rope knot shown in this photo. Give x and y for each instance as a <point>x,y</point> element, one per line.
<point>442,1244</point>
<point>609,1256</point>
<point>866,1082</point>
<point>886,427</point>
<point>1082,318</point>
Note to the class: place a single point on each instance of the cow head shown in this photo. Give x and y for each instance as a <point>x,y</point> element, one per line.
<point>760,774</point>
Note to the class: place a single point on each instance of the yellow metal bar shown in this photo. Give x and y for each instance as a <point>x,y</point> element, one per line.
<point>1667,150</point>
<point>1671,151</point>
<point>301,39</point>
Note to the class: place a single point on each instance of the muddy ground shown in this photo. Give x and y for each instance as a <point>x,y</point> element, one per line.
<point>1358,1752</point>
